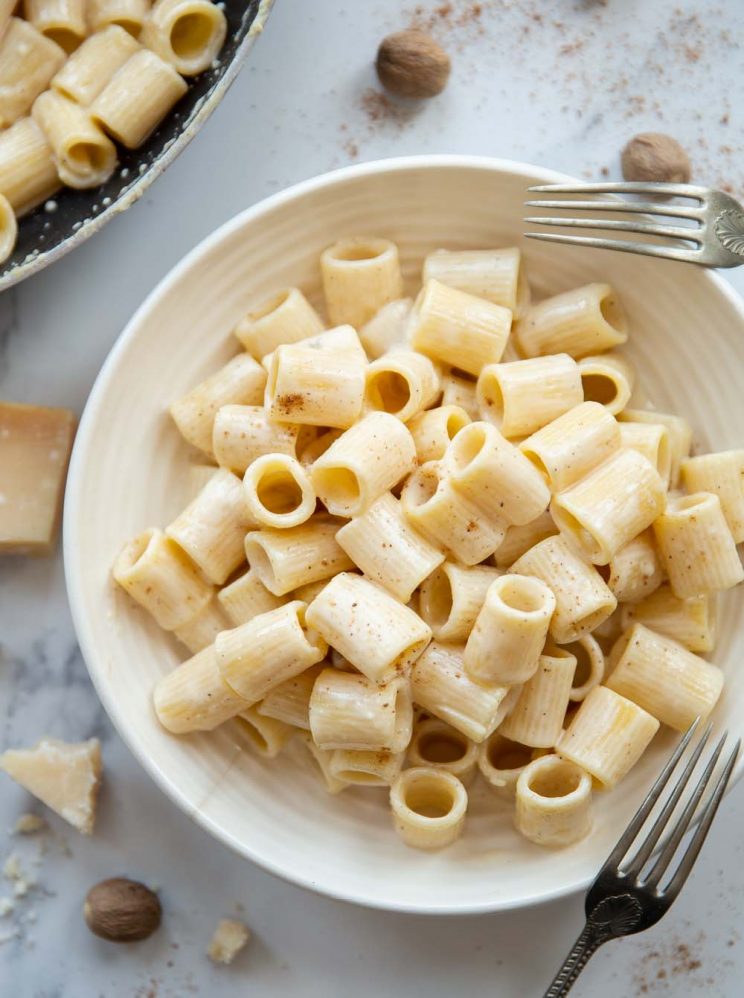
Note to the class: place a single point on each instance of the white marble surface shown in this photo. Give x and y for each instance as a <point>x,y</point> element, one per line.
<point>558,82</point>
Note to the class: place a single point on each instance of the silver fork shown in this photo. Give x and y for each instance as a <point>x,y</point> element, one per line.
<point>716,235</point>
<point>624,899</point>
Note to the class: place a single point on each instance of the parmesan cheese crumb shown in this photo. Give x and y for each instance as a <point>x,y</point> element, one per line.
<point>228,940</point>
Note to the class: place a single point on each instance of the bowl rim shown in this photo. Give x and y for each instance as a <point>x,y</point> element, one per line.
<point>73,497</point>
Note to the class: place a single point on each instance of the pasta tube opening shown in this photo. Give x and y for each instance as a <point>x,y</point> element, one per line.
<point>187,33</point>
<point>439,746</point>
<point>428,807</point>
<point>278,492</point>
<point>356,250</point>
<point>553,777</point>
<point>388,390</point>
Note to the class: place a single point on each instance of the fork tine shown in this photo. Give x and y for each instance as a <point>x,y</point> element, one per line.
<point>649,228</point>
<point>628,207</point>
<point>623,187</point>
<point>683,822</point>
<point>639,818</point>
<point>647,846</point>
<point>709,812</point>
<point>623,246</point>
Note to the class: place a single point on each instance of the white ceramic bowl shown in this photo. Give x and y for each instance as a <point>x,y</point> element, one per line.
<point>129,471</point>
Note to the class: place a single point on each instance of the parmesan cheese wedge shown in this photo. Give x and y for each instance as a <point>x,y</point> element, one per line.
<point>63,776</point>
<point>35,446</point>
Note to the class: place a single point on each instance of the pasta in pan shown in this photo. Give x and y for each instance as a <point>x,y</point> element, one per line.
<point>76,76</point>
<point>432,575</point>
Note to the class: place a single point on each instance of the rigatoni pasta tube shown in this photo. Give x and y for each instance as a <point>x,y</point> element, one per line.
<point>202,629</point>
<point>524,395</point>
<point>440,684</point>
<point>553,802</point>
<point>457,328</point>
<point>498,275</point>
<point>349,711</point>
<point>449,518</point>
<point>370,628</point>
<point>634,571</point>
<point>285,317</point>
<point>428,807</point>
<point>268,650</point>
<point>195,697</point>
<point>612,505</point>
<point>590,666</point>
<point>582,599</point>
<point>696,546</point>
<point>360,275</point>
<point>367,460</point>
<point>495,475</point>
<point>691,621</point>
<point>8,229</point>
<point>296,556</point>
<point>127,14</point>
<point>440,746</point>
<point>607,736</point>
<point>402,383</point>
<point>432,430</point>
<point>243,433</point>
<point>278,491</point>
<point>680,434</point>
<point>386,328</point>
<point>62,21</point>
<point>607,379</point>
<point>211,529</point>
<point>245,598</point>
<point>651,440</point>
<point>521,539</point>
<point>333,784</point>
<point>266,736</point>
<point>581,322</point>
<point>368,769</point>
<point>501,763</point>
<point>89,68</point>
<point>137,98</point>
<point>319,387</point>
<point>28,175</point>
<point>451,599</point>
<point>310,453</point>
<point>28,61</point>
<point>83,155</point>
<point>156,573</point>
<point>510,630</point>
<point>186,33</point>
<point>290,701</point>
<point>462,392</point>
<point>722,474</point>
<point>240,382</point>
<point>573,444</point>
<point>537,717</point>
<point>663,677</point>
<point>385,545</point>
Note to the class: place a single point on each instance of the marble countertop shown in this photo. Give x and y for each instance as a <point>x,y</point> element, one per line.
<point>562,83</point>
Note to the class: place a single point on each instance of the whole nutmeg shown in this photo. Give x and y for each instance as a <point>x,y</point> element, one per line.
<point>411,64</point>
<point>655,157</point>
<point>121,910</point>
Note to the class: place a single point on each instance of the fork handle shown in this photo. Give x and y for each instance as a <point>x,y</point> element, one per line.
<point>585,946</point>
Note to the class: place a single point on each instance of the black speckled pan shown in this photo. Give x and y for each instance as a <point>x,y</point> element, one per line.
<point>44,236</point>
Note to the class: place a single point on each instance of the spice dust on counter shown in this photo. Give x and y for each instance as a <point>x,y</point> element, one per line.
<point>560,48</point>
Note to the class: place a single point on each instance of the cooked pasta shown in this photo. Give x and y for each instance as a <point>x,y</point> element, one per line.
<point>434,592</point>
<point>76,76</point>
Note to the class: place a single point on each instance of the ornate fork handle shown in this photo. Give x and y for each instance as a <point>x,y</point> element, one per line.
<point>614,916</point>
<point>586,945</point>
